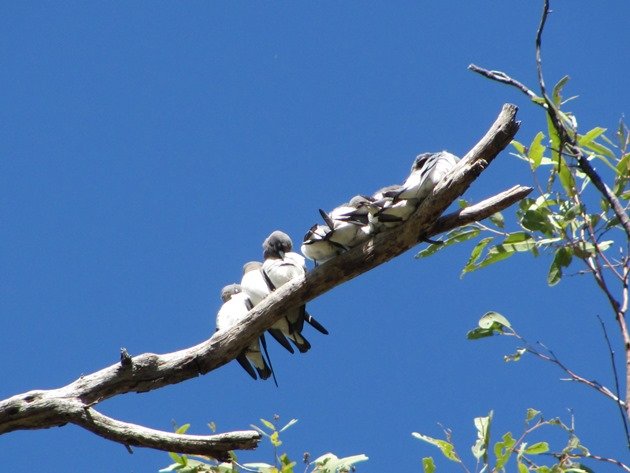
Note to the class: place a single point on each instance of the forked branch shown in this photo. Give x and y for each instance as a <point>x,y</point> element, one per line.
<point>74,403</point>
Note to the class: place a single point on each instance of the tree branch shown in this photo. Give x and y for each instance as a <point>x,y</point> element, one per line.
<point>146,372</point>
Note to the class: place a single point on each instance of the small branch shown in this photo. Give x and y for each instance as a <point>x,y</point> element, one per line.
<point>216,445</point>
<point>502,77</point>
<point>149,371</point>
<point>552,358</point>
<point>623,466</point>
<point>539,32</point>
<point>622,412</point>
<point>479,211</point>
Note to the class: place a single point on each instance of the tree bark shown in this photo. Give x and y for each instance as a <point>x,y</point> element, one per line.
<point>73,403</point>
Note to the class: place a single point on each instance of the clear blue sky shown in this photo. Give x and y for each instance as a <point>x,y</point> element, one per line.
<point>148,148</point>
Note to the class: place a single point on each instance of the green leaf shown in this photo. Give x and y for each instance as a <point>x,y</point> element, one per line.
<point>537,220</point>
<point>289,424</point>
<point>456,236</point>
<point>566,178</point>
<point>520,149</point>
<point>536,150</point>
<point>561,259</point>
<point>478,333</point>
<point>515,356</point>
<point>183,429</point>
<point>600,149</point>
<point>537,448</point>
<point>480,448</point>
<point>490,323</point>
<point>329,463</point>
<point>623,166</point>
<point>554,140</point>
<point>522,468</point>
<point>179,459</point>
<point>428,466</point>
<point>531,414</point>
<point>259,430</point>
<point>287,464</point>
<point>474,255</point>
<point>257,465</point>
<point>519,241</point>
<point>503,450</point>
<point>557,90</point>
<point>447,449</point>
<point>169,468</point>
<point>498,219</point>
<point>515,242</point>
<point>495,254</point>
<point>268,424</point>
<point>590,136</point>
<point>491,319</point>
<point>275,439</point>
<point>463,203</point>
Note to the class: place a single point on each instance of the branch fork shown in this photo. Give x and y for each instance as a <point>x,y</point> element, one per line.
<point>74,402</point>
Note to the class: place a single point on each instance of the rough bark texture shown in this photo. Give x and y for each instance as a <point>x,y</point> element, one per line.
<point>73,403</point>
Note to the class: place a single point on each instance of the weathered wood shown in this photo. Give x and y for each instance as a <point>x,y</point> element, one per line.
<point>73,403</point>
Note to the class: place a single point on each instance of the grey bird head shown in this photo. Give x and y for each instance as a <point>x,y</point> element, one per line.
<point>387,191</point>
<point>228,291</point>
<point>276,245</point>
<point>360,201</point>
<point>421,160</point>
<point>251,266</point>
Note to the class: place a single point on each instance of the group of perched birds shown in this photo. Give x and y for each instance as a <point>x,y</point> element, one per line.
<point>353,223</point>
<point>280,266</point>
<point>345,227</point>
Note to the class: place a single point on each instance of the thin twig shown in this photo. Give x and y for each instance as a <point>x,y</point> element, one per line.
<point>623,466</point>
<point>502,77</point>
<point>552,358</point>
<point>622,412</point>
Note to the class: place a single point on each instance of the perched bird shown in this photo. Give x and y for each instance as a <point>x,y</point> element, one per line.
<point>348,223</point>
<point>427,170</point>
<point>236,305</point>
<point>386,212</point>
<point>253,282</point>
<point>317,245</point>
<point>281,265</point>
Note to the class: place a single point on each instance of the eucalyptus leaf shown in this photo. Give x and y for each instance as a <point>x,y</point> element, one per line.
<point>428,466</point>
<point>537,448</point>
<point>520,149</point>
<point>536,150</point>
<point>289,424</point>
<point>498,219</point>
<point>503,450</point>
<point>489,319</point>
<point>480,448</point>
<point>562,259</point>
<point>268,424</point>
<point>557,90</point>
<point>531,414</point>
<point>447,449</point>
<point>590,136</point>
<point>455,236</point>
<point>475,254</point>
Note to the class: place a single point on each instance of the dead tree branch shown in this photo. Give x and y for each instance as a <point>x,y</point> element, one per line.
<point>73,403</point>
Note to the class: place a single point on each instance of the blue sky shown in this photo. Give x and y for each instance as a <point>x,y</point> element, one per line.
<point>148,148</point>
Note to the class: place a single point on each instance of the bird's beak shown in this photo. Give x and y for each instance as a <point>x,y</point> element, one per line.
<point>281,253</point>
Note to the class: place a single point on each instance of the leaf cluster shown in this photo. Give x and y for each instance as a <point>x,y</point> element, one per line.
<point>327,463</point>
<point>527,457</point>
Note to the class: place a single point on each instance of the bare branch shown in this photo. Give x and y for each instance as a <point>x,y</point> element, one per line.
<point>573,376</point>
<point>146,372</point>
<point>622,412</point>
<point>502,77</point>
<point>216,446</point>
